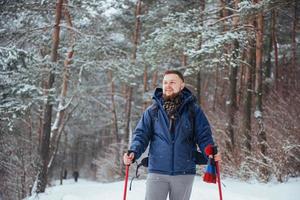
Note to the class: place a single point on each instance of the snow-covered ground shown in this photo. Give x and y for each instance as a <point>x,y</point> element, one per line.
<point>233,190</point>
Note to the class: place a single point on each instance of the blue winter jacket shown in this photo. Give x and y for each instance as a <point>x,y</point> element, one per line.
<point>171,152</point>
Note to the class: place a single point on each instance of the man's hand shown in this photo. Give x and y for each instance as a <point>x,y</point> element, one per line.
<point>211,151</point>
<point>218,157</point>
<point>128,158</point>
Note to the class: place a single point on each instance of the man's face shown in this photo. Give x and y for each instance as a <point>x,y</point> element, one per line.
<point>172,84</point>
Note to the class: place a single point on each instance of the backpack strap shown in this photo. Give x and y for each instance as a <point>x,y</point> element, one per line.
<point>154,110</point>
<point>153,114</point>
<point>191,118</point>
<point>200,159</point>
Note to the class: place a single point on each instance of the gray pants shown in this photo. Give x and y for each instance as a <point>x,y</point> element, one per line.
<point>159,186</point>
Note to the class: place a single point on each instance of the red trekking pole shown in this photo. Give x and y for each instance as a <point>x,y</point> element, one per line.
<point>212,174</point>
<point>126,181</point>
<point>219,180</point>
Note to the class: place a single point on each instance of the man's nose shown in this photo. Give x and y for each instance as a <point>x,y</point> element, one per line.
<point>167,85</point>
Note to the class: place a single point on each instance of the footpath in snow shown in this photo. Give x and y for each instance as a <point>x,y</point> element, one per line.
<point>233,190</point>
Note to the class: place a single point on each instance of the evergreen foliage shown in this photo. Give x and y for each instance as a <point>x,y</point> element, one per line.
<point>207,40</point>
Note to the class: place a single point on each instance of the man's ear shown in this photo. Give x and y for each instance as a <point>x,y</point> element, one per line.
<point>182,86</point>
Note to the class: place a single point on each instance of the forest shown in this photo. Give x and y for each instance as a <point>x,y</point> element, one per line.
<point>76,76</point>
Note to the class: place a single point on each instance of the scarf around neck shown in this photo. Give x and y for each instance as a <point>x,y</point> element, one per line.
<point>171,105</point>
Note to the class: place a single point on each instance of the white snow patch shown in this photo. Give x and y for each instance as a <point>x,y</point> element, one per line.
<point>257,114</point>
<point>233,190</point>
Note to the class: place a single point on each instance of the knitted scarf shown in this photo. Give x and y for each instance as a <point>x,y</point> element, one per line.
<point>172,104</point>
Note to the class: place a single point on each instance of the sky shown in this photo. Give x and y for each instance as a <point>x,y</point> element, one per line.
<point>233,190</point>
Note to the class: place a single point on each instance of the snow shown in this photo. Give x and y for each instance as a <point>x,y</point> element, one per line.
<point>93,13</point>
<point>257,114</point>
<point>110,8</point>
<point>118,37</point>
<point>232,190</point>
<point>110,12</point>
<point>84,21</point>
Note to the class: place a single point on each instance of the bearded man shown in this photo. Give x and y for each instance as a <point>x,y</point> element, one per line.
<point>173,138</point>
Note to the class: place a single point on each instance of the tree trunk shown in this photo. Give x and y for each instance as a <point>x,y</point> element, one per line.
<point>199,87</point>
<point>60,115</point>
<point>40,127</point>
<point>75,154</point>
<point>268,71</point>
<point>202,9</point>
<point>274,40</point>
<point>128,109</point>
<point>113,107</point>
<point>183,60</point>
<point>216,89</point>
<point>224,13</point>
<point>225,71</point>
<point>231,108</point>
<point>247,104</point>
<point>202,5</point>
<point>294,49</point>
<point>241,84</point>
<point>145,101</point>
<point>136,34</point>
<point>136,38</point>
<point>115,129</point>
<point>154,79</point>
<point>231,103</point>
<point>63,172</point>
<point>262,139</point>
<point>23,177</point>
<point>47,114</point>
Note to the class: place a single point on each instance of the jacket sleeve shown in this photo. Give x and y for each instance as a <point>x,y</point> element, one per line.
<point>142,135</point>
<point>202,130</point>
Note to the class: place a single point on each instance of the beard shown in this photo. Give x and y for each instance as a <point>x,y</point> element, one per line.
<point>170,97</point>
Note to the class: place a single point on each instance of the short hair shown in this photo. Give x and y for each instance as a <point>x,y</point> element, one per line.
<point>178,73</point>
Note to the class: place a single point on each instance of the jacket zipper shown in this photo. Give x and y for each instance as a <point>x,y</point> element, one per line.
<point>172,132</point>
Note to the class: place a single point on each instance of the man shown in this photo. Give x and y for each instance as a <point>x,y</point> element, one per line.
<point>173,138</point>
<point>76,175</point>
